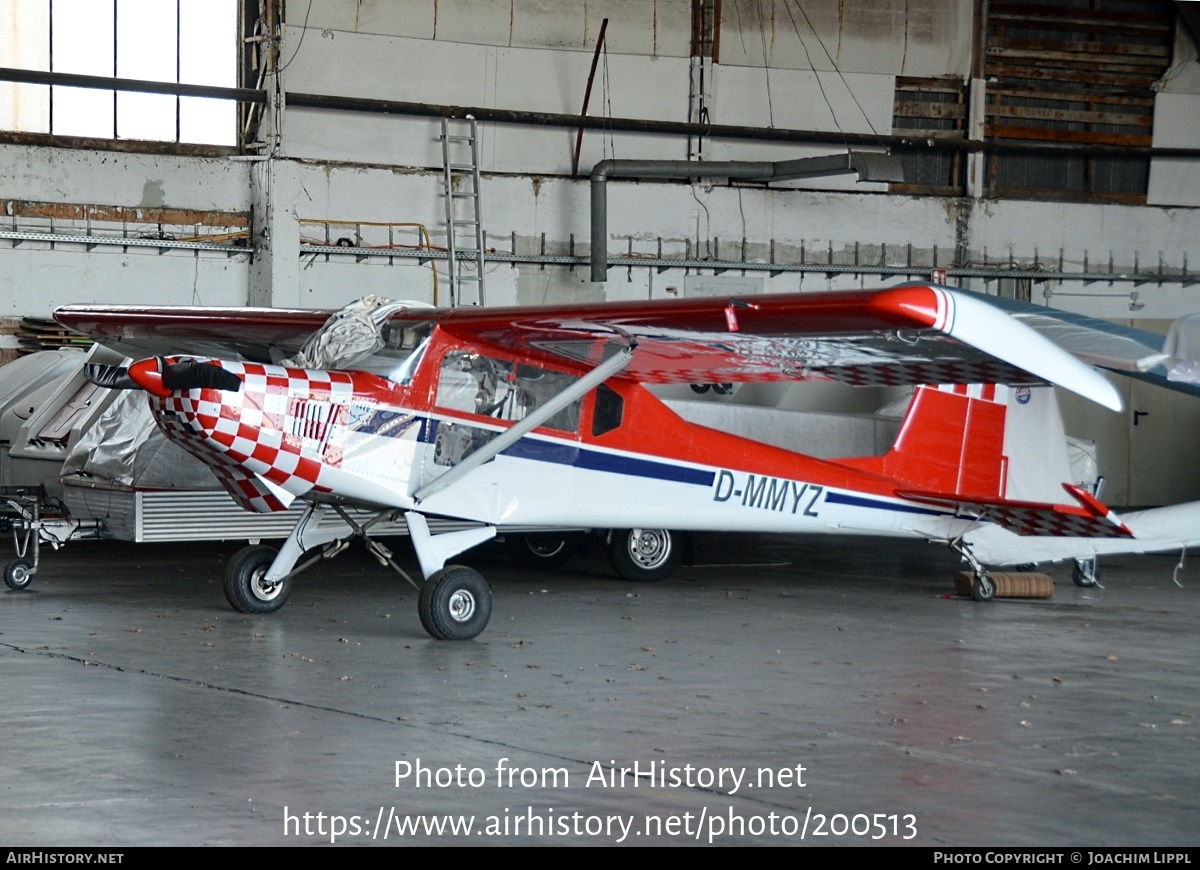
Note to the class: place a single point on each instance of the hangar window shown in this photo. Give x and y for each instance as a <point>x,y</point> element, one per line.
<point>174,41</point>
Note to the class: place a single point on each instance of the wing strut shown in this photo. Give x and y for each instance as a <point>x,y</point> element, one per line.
<point>541,414</point>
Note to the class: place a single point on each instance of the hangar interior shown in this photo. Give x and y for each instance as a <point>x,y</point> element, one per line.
<point>1048,154</point>
<point>303,153</point>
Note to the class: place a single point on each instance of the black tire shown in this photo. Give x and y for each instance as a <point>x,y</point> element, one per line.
<point>455,603</point>
<point>244,588</point>
<point>983,587</point>
<point>539,551</point>
<point>19,574</point>
<point>1084,573</point>
<point>645,555</point>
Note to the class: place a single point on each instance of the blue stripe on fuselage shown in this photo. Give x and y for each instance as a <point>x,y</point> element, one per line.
<point>862,501</point>
<point>540,450</point>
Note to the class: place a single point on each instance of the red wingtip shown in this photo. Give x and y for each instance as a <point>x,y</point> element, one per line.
<point>915,306</point>
<point>1096,507</point>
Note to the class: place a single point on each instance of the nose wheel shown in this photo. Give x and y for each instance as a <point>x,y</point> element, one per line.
<point>455,603</point>
<point>246,587</point>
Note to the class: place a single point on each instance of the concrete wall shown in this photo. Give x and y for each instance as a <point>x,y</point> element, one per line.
<point>36,277</point>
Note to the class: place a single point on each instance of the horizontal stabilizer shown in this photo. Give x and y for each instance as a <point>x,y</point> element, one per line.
<point>1087,519</point>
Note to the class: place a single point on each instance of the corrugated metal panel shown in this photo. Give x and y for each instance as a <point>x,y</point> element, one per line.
<point>205,516</point>
<point>185,515</point>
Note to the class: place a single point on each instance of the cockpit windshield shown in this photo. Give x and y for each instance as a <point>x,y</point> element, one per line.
<point>404,345</point>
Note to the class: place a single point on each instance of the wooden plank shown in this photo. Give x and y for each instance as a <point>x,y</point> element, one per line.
<point>1108,97</point>
<point>1127,62</point>
<point>1129,50</point>
<point>926,189</point>
<point>1083,137</point>
<point>1062,19</point>
<point>921,133</point>
<point>122,214</point>
<point>1042,193</point>
<point>1068,116</point>
<point>1080,61</point>
<point>1030,14</point>
<point>941,84</point>
<point>913,109</point>
<point>1143,79</point>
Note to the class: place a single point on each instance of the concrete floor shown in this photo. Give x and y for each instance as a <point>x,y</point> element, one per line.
<point>139,709</point>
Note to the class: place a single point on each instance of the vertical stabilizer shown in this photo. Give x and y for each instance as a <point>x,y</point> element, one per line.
<point>981,440</point>
<point>951,441</point>
<point>1036,445</point>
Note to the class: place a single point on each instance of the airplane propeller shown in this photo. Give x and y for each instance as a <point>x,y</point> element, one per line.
<point>155,375</point>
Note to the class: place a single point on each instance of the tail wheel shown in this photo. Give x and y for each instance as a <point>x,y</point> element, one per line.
<point>455,603</point>
<point>1084,573</point>
<point>983,587</point>
<point>18,574</point>
<point>643,555</point>
<point>245,587</point>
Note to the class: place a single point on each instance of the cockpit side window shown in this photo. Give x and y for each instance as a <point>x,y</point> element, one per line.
<point>610,409</point>
<point>490,387</point>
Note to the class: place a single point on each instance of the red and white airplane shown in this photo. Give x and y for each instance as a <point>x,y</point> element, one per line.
<point>538,416</point>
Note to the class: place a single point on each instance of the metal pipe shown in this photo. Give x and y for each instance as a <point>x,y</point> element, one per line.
<point>75,80</point>
<point>551,119</point>
<point>603,170</point>
<point>781,170</point>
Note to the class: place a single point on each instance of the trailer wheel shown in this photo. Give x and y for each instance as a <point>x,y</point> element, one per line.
<point>245,588</point>
<point>18,574</point>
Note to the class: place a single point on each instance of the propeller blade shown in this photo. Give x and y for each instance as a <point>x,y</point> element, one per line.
<point>112,377</point>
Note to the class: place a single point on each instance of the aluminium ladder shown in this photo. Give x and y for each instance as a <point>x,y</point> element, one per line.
<point>464,225</point>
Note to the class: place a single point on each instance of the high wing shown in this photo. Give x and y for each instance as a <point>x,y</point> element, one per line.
<point>903,335</point>
<point>255,334</point>
<point>1135,353</point>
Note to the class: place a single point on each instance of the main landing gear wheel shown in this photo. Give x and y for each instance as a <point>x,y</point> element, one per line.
<point>983,587</point>
<point>645,554</point>
<point>245,588</point>
<point>455,603</point>
<point>18,574</point>
<point>539,551</point>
